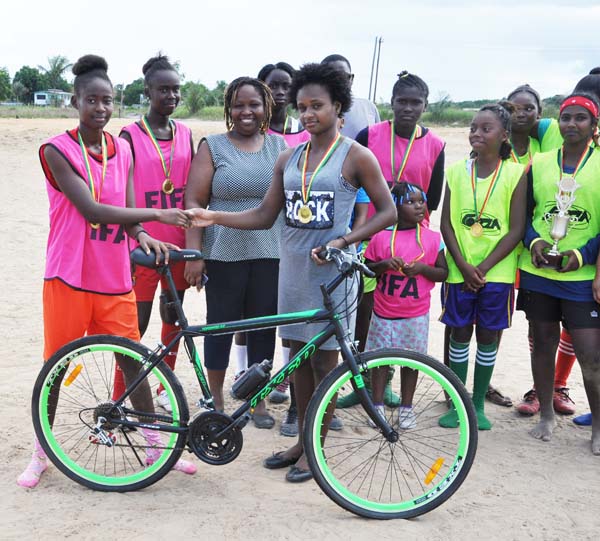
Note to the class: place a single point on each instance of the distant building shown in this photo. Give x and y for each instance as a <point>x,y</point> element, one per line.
<point>52,96</point>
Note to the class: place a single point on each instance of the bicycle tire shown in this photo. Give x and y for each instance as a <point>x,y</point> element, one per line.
<point>364,473</point>
<point>82,375</point>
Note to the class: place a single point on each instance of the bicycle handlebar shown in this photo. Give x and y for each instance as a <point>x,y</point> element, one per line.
<point>345,262</point>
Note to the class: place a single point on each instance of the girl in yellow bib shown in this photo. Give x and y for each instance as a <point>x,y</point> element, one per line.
<point>483,220</point>
<point>564,189</point>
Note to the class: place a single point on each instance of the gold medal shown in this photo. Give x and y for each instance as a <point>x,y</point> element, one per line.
<point>94,226</point>
<point>476,229</point>
<point>168,187</point>
<point>305,214</point>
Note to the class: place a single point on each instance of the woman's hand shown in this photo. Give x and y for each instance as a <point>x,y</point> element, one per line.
<point>176,217</point>
<point>571,264</point>
<point>200,217</point>
<point>193,272</point>
<point>150,244</point>
<point>335,243</point>
<point>537,253</point>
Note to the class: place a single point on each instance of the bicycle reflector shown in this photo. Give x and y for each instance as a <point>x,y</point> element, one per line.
<point>73,375</point>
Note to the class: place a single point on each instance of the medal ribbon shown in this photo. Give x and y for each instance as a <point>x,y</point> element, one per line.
<point>324,160</point>
<point>86,159</point>
<point>285,125</point>
<point>415,133</point>
<point>417,238</point>
<point>157,146</point>
<point>515,157</point>
<point>491,187</point>
<point>582,160</point>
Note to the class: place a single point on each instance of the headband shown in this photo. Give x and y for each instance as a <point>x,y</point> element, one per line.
<point>582,102</point>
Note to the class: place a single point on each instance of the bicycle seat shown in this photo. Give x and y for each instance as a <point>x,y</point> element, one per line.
<point>139,257</point>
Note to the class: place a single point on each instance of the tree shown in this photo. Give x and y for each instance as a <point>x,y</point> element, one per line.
<point>5,86</point>
<point>217,94</point>
<point>30,80</point>
<point>133,91</point>
<point>57,65</point>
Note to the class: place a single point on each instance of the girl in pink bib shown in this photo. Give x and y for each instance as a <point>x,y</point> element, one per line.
<point>87,288</point>
<point>408,259</point>
<point>162,154</point>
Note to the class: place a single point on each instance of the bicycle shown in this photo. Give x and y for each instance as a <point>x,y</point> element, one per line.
<point>382,472</point>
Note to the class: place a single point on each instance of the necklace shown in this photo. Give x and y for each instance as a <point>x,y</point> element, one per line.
<point>88,169</point>
<point>415,133</point>
<point>417,239</point>
<point>305,214</point>
<point>476,228</point>
<point>167,186</point>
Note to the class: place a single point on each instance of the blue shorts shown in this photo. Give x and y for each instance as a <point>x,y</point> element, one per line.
<point>490,308</point>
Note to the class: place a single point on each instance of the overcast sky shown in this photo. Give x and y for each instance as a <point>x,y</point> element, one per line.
<point>469,50</point>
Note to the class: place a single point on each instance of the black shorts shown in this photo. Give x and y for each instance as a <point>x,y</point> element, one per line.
<point>545,308</point>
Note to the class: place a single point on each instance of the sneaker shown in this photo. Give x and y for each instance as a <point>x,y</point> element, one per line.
<point>406,418</point>
<point>164,402</point>
<point>347,401</point>
<point>562,401</point>
<point>289,427</point>
<point>184,466</point>
<point>530,405</point>
<point>336,423</point>
<point>583,420</point>
<point>280,394</point>
<point>381,409</point>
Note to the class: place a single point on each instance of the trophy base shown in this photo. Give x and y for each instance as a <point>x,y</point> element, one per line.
<point>555,261</point>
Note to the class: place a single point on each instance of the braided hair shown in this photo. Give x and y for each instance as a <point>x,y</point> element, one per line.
<point>230,96</point>
<point>409,80</point>
<point>89,67</point>
<point>503,110</point>
<point>159,62</point>
<point>401,191</point>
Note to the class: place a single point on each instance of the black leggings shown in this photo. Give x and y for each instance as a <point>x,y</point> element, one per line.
<point>236,290</point>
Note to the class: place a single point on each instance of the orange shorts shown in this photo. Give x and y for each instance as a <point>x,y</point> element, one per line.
<point>145,281</point>
<point>70,314</point>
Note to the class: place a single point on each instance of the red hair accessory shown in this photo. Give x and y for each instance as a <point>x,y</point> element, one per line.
<point>582,102</point>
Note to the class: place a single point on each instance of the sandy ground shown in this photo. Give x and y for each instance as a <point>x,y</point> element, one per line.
<point>519,488</point>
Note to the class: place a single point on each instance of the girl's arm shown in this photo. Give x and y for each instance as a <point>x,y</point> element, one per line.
<point>363,169</point>
<point>436,183</point>
<point>379,267</point>
<point>78,193</point>
<point>473,277</point>
<point>516,228</point>
<point>596,282</point>
<point>261,217</point>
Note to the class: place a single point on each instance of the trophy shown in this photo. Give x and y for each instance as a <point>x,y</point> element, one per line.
<point>560,221</point>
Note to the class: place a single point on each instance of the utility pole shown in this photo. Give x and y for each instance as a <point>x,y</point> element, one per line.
<point>378,44</point>
<point>372,68</point>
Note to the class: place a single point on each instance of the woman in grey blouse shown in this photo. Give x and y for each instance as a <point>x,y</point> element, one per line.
<point>232,172</point>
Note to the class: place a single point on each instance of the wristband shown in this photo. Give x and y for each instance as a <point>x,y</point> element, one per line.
<point>579,257</point>
<point>346,244</point>
<point>534,241</point>
<point>136,236</point>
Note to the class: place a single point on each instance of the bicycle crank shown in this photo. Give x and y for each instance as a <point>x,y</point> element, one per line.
<point>207,445</point>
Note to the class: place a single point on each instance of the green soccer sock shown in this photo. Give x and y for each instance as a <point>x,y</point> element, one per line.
<point>459,359</point>
<point>485,359</point>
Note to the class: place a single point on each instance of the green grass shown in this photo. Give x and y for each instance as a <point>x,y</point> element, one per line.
<point>31,111</point>
<point>206,113</point>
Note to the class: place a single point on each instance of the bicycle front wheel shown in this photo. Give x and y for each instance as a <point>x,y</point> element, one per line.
<point>364,473</point>
<point>80,427</point>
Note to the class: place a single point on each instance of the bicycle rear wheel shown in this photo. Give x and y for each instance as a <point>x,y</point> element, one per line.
<point>364,473</point>
<point>80,428</point>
